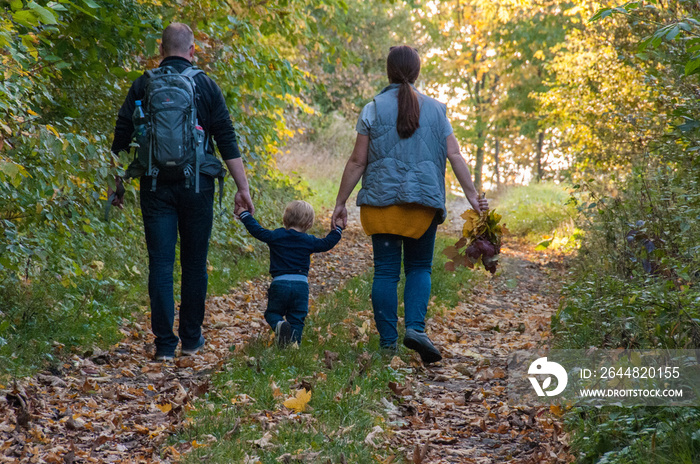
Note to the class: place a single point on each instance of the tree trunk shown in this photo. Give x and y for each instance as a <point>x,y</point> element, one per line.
<point>538,154</point>
<point>496,154</point>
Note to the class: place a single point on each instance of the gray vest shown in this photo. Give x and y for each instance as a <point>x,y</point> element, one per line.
<point>411,170</point>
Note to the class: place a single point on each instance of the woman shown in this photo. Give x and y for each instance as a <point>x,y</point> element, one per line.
<point>403,142</point>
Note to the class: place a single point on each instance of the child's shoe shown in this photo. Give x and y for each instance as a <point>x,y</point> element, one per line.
<point>389,351</point>
<point>283,334</point>
<point>420,342</point>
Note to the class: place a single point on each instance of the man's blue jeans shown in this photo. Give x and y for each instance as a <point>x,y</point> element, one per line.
<point>418,263</point>
<point>173,208</point>
<point>288,300</point>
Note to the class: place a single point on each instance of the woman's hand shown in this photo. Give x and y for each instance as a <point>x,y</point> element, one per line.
<point>483,204</point>
<point>352,174</point>
<point>340,217</point>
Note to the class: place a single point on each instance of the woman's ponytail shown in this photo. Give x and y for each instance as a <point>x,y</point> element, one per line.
<point>403,67</point>
<point>409,111</point>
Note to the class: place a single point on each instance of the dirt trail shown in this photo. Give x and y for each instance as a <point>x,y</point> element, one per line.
<point>457,411</point>
<point>120,406</point>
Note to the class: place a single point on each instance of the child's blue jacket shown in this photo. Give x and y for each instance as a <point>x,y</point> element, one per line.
<point>290,250</point>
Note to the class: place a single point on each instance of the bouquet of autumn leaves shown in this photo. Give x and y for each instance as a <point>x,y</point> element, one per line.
<point>481,241</point>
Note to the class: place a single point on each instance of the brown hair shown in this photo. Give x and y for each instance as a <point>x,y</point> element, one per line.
<point>403,67</point>
<point>177,39</point>
<point>298,214</point>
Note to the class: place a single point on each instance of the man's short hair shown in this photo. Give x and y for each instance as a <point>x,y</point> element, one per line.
<point>298,214</point>
<point>177,39</point>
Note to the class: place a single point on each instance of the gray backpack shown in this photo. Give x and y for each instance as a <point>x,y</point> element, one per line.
<point>166,131</point>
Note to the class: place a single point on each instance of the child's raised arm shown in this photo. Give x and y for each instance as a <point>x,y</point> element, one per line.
<point>331,240</point>
<point>255,229</point>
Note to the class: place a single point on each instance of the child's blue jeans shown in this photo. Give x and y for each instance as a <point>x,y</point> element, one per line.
<point>417,263</point>
<point>288,299</point>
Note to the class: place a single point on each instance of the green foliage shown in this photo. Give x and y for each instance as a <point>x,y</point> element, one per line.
<point>637,273</point>
<point>636,435</point>
<point>66,69</point>
<point>353,71</point>
<point>536,209</point>
<point>634,283</point>
<point>489,59</point>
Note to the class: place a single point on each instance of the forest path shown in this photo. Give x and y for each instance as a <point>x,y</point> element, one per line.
<point>457,411</point>
<point>120,406</point>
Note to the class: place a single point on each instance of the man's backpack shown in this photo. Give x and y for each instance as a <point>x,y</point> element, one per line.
<point>170,139</point>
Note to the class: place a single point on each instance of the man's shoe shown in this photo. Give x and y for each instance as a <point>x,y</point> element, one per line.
<point>283,333</point>
<point>195,350</point>
<point>420,342</point>
<point>160,357</point>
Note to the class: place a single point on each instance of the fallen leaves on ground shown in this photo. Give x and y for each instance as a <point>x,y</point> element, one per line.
<point>118,406</point>
<point>457,411</point>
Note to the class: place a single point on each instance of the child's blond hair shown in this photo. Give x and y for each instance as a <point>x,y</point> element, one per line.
<point>298,214</point>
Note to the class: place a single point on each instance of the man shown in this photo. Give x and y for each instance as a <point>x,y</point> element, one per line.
<point>173,206</point>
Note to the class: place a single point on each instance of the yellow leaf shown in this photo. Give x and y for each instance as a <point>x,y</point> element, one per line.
<point>198,445</point>
<point>556,410</point>
<point>299,402</point>
<point>365,328</point>
<point>165,407</point>
<point>52,129</point>
<point>33,113</point>
<point>470,213</point>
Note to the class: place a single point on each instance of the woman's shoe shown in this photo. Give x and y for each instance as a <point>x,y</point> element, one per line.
<point>420,342</point>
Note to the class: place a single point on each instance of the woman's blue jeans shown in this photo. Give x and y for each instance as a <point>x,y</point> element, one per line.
<point>173,208</point>
<point>418,263</point>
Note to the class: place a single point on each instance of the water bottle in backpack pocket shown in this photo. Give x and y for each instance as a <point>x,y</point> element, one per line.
<point>140,129</point>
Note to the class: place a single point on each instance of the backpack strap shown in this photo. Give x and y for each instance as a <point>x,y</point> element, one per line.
<point>191,71</point>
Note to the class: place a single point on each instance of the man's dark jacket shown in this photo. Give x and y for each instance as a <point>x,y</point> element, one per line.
<point>212,114</point>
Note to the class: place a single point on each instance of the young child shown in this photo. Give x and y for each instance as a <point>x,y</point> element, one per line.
<point>290,257</point>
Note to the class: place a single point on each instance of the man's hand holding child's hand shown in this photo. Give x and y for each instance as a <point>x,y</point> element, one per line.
<point>239,209</point>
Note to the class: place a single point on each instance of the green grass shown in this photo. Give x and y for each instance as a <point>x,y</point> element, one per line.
<point>642,435</point>
<point>228,267</point>
<point>337,424</point>
<point>42,323</point>
<point>252,372</point>
<point>537,209</point>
